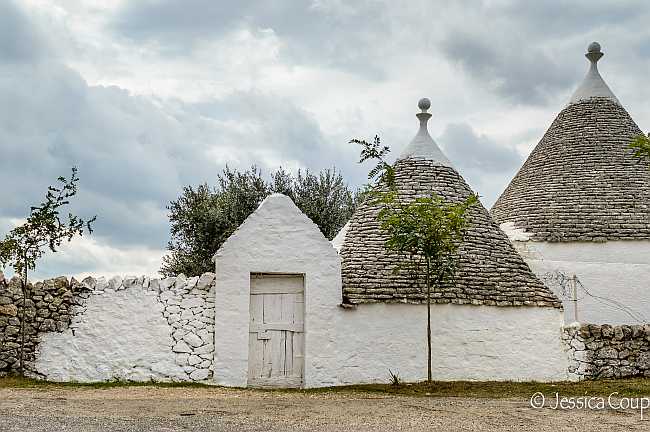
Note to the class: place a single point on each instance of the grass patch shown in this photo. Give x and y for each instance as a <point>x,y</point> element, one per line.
<point>633,387</point>
<point>21,382</point>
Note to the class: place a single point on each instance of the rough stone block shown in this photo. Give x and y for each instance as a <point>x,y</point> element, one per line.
<point>181,359</point>
<point>194,302</point>
<point>181,347</point>
<point>9,310</point>
<point>193,340</point>
<point>200,374</point>
<point>205,280</point>
<point>607,353</point>
<point>193,360</point>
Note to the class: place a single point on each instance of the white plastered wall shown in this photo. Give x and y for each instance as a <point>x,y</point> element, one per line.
<point>616,271</point>
<point>276,238</point>
<point>468,343</point>
<point>121,335</point>
<point>134,329</point>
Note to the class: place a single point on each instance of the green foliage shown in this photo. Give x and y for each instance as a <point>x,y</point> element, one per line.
<point>325,198</point>
<point>203,218</point>
<point>395,379</point>
<point>382,174</point>
<point>427,230</point>
<point>43,229</point>
<point>641,147</point>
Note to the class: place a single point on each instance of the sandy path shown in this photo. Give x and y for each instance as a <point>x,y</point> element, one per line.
<point>218,409</point>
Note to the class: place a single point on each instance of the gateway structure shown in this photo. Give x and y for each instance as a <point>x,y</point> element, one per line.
<point>579,208</point>
<point>292,312</point>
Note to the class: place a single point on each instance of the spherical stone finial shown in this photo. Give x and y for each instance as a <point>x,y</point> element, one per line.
<point>594,53</point>
<point>593,47</point>
<point>424,104</point>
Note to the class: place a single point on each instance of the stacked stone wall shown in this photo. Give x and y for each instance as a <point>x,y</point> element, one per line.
<point>47,308</point>
<point>605,351</point>
<point>189,310</point>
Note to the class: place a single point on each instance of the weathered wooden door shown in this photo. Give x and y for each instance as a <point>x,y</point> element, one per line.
<point>276,332</point>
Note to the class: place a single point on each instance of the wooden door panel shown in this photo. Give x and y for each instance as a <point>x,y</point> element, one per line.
<point>276,331</point>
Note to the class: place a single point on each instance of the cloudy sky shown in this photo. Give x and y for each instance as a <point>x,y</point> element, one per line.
<point>146,96</point>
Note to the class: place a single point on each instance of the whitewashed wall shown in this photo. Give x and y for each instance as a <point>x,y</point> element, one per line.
<point>614,270</point>
<point>277,238</point>
<point>134,329</point>
<point>468,343</point>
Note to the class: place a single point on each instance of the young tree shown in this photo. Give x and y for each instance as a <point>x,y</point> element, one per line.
<point>641,147</point>
<point>42,230</point>
<point>426,231</point>
<point>203,218</point>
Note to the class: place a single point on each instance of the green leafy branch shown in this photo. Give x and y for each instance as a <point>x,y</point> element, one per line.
<point>44,229</point>
<point>429,230</point>
<point>383,173</point>
<point>641,147</point>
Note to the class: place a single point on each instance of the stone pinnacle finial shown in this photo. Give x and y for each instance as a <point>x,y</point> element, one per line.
<point>594,53</point>
<point>424,104</point>
<point>593,86</point>
<point>422,146</point>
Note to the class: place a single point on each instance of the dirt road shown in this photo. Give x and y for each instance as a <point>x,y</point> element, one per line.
<point>217,409</point>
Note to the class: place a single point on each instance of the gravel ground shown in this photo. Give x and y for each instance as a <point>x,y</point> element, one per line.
<point>219,409</point>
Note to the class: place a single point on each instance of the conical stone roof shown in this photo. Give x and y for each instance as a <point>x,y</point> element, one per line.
<point>582,182</point>
<point>490,271</point>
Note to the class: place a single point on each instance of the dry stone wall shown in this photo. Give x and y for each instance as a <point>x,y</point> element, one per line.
<point>131,328</point>
<point>605,351</point>
<point>47,308</point>
<point>189,310</point>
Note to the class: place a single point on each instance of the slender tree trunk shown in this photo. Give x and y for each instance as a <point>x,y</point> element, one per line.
<point>428,324</point>
<point>21,366</point>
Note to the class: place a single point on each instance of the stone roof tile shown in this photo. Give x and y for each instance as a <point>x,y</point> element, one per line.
<point>490,271</point>
<point>582,181</point>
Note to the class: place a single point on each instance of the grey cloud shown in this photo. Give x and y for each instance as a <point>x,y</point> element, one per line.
<point>273,123</point>
<point>486,165</point>
<point>528,52</point>
<point>470,150</point>
<point>517,49</point>
<point>18,40</point>
<point>643,47</point>
<point>556,18</point>
<point>337,34</point>
<point>134,154</point>
<point>52,120</point>
<point>53,265</point>
<point>520,74</point>
<point>192,19</point>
